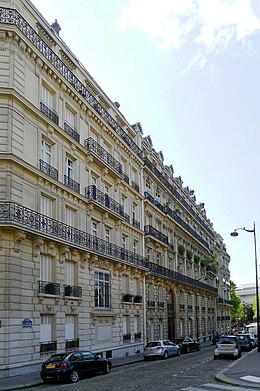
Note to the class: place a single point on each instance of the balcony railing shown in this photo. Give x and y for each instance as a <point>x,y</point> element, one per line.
<point>73,185</point>
<point>127,298</point>
<point>154,201</point>
<point>74,291</point>
<point>71,131</point>
<point>135,186</point>
<point>48,169</point>
<point>127,337</point>
<point>12,213</point>
<point>151,304</point>
<point>138,336</point>
<point>189,307</point>
<point>49,113</point>
<point>92,146</point>
<point>49,288</point>
<point>92,193</point>
<point>48,346</point>
<point>149,230</point>
<point>125,177</point>
<point>160,304</point>
<point>138,299</point>
<point>182,306</point>
<point>72,343</point>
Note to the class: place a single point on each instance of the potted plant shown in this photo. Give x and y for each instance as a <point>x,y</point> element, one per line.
<point>196,259</point>
<point>181,249</point>
<point>189,254</point>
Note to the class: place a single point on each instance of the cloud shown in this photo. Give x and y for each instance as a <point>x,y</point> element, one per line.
<point>211,26</point>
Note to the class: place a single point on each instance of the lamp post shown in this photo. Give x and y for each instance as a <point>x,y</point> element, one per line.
<point>235,233</point>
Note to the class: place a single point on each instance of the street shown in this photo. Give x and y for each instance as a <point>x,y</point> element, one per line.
<point>188,370</point>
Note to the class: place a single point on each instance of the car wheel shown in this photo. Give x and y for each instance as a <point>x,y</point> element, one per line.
<point>166,355</point>
<point>178,352</point>
<point>106,369</point>
<point>188,349</point>
<point>74,376</point>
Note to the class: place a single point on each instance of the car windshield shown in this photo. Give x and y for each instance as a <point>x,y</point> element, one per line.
<point>153,344</point>
<point>227,340</point>
<point>57,357</point>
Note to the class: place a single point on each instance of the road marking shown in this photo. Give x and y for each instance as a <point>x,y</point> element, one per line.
<point>251,378</point>
<point>218,387</point>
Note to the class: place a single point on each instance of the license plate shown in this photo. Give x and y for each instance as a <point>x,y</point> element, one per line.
<point>50,366</point>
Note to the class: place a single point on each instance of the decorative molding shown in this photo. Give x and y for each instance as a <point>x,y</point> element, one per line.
<point>19,237</point>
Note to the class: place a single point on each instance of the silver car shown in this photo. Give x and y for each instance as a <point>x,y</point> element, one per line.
<point>227,346</point>
<point>161,348</point>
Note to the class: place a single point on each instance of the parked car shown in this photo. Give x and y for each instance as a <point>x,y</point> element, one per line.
<point>216,337</point>
<point>187,344</point>
<point>244,341</point>
<point>254,339</point>
<point>227,346</point>
<point>73,365</point>
<point>162,349</point>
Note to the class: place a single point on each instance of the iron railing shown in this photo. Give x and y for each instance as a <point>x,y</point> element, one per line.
<point>127,298</point>
<point>135,186</point>
<point>48,169</point>
<point>48,111</point>
<point>160,304</point>
<point>154,201</point>
<point>149,230</point>
<point>48,346</point>
<point>92,193</point>
<point>73,185</point>
<point>182,306</point>
<point>150,303</point>
<point>127,337</point>
<point>13,17</point>
<point>138,336</point>
<point>71,131</point>
<point>49,288</point>
<point>136,223</point>
<point>74,291</point>
<point>72,343</point>
<point>138,299</point>
<point>92,146</point>
<point>125,177</point>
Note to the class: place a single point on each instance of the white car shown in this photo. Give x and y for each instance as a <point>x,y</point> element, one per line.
<point>227,346</point>
<point>162,349</point>
<point>254,340</point>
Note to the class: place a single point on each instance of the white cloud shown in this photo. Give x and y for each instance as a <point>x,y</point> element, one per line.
<point>210,25</point>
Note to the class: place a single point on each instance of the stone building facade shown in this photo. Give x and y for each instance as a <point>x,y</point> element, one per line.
<point>102,248</point>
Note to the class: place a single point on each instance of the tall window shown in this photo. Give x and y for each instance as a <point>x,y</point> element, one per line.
<point>46,328</point>
<point>107,234</point>
<point>148,186</point>
<point>102,289</point>
<point>69,273</point>
<point>148,254</point>
<point>46,268</point>
<point>69,216</point>
<point>70,117</point>
<point>69,168</point>
<point>47,97</point>
<point>69,327</point>
<point>94,229</point>
<point>123,242</point>
<point>46,152</point>
<point>46,206</point>
<point>134,247</point>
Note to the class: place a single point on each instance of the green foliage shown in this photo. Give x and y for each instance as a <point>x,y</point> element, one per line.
<point>254,305</point>
<point>196,259</point>
<point>181,249</point>
<point>189,254</point>
<point>237,307</point>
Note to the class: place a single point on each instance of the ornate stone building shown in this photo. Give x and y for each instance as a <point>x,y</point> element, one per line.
<point>102,248</point>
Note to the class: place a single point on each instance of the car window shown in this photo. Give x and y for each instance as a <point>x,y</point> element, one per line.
<point>88,356</point>
<point>227,340</point>
<point>76,357</point>
<point>166,342</point>
<point>187,340</point>
<point>57,357</point>
<point>153,344</point>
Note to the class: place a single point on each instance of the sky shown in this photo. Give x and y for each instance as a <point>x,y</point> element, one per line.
<point>187,70</point>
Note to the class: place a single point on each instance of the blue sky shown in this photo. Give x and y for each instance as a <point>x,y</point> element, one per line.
<point>187,70</point>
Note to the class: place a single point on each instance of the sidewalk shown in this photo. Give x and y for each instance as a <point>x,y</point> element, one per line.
<point>247,366</point>
<point>243,372</point>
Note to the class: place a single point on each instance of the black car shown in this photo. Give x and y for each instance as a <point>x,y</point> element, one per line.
<point>73,365</point>
<point>187,344</point>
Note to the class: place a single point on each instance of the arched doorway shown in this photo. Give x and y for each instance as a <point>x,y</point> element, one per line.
<point>171,313</point>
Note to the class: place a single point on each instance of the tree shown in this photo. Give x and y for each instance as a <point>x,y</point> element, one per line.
<point>254,305</point>
<point>237,307</point>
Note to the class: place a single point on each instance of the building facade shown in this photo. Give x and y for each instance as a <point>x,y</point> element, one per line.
<point>102,248</point>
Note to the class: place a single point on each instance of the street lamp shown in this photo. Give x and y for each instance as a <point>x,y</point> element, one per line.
<point>235,233</point>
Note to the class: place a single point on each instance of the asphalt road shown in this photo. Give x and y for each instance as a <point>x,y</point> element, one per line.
<point>193,369</point>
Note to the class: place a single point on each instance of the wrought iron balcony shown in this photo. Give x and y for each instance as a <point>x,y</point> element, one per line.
<point>127,298</point>
<point>49,288</point>
<point>48,346</point>
<point>20,216</point>
<point>182,306</point>
<point>135,186</point>
<point>190,307</point>
<point>160,304</point>
<point>72,343</point>
<point>149,230</point>
<point>73,185</point>
<point>138,336</point>
<point>49,113</point>
<point>74,291</point>
<point>138,299</point>
<point>127,337</point>
<point>48,169</point>
<point>125,177</point>
<point>93,194</point>
<point>126,217</point>
<point>71,131</point>
<point>108,160</point>
<point>171,274</point>
<point>151,304</point>
<point>154,201</point>
<point>136,223</point>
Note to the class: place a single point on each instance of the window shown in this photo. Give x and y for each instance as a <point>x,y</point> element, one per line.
<point>47,97</point>
<point>69,168</point>
<point>69,216</point>
<point>94,180</point>
<point>158,195</point>
<point>46,206</point>
<point>125,284</point>
<point>69,327</point>
<point>134,247</point>
<point>94,229</point>
<point>69,117</point>
<point>123,242</point>
<point>102,289</point>
<point>148,186</point>
<point>46,271</point>
<point>46,328</point>
<point>148,254</point>
<point>158,258</point>
<point>124,202</point>
<point>46,152</point>
<point>70,273</point>
<point>134,212</point>
<point>107,234</point>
